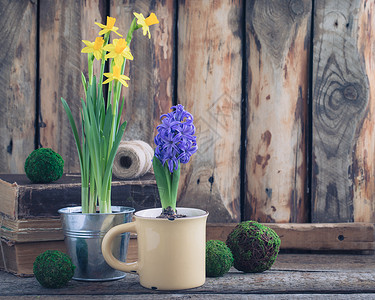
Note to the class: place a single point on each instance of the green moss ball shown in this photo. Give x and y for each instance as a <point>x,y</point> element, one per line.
<point>44,165</point>
<point>254,246</point>
<point>53,269</point>
<point>219,258</point>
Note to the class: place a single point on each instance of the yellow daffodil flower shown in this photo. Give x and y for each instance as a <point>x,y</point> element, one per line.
<point>110,26</point>
<point>118,51</point>
<point>94,47</point>
<point>117,76</point>
<point>146,23</point>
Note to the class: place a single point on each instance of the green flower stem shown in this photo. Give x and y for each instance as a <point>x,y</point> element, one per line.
<point>106,39</point>
<point>84,198</point>
<point>103,201</point>
<point>85,175</point>
<point>167,183</point>
<point>168,201</point>
<point>116,96</point>
<point>175,179</point>
<point>90,64</point>
<point>110,87</point>
<point>105,196</point>
<point>133,27</point>
<point>84,84</point>
<point>128,40</point>
<point>113,127</point>
<point>108,202</point>
<point>93,195</point>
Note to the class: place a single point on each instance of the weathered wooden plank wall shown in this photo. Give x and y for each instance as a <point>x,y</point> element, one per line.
<point>364,156</point>
<point>340,102</point>
<point>209,86</point>
<point>63,26</point>
<point>18,29</point>
<point>252,72</point>
<point>278,39</point>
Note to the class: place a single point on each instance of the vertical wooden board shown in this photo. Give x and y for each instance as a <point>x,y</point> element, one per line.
<point>363,171</point>
<point>18,27</point>
<point>63,26</point>
<point>209,86</point>
<point>277,45</point>
<point>340,97</point>
<point>150,88</point>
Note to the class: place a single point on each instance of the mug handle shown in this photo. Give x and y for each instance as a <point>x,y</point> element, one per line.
<point>107,248</point>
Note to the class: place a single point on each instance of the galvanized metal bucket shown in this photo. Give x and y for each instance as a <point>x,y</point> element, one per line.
<point>83,239</point>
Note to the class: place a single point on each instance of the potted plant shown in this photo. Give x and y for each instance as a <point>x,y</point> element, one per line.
<point>171,240</point>
<point>101,133</point>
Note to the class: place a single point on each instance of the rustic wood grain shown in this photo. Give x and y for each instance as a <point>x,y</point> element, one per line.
<point>150,88</point>
<point>311,275</point>
<point>319,237</point>
<point>363,170</point>
<point>277,51</point>
<point>209,86</point>
<point>18,62</point>
<point>340,97</point>
<point>63,26</point>
<point>212,296</point>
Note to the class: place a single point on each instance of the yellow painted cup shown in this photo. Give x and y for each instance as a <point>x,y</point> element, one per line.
<point>171,253</point>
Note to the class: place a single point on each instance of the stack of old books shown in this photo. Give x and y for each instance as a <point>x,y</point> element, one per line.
<point>30,223</point>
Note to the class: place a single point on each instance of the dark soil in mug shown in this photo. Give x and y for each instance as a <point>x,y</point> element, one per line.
<point>170,214</point>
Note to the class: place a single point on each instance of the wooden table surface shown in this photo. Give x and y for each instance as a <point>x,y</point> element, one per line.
<point>293,276</point>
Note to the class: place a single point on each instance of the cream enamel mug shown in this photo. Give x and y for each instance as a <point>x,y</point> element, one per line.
<point>171,253</point>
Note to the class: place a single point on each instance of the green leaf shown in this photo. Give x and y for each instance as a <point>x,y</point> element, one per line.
<point>84,83</point>
<point>92,89</point>
<point>163,181</point>
<point>108,122</point>
<point>90,140</point>
<point>174,188</point>
<point>120,112</point>
<point>111,158</point>
<point>82,154</point>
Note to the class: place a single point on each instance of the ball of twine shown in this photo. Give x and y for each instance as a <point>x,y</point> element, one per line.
<point>133,159</point>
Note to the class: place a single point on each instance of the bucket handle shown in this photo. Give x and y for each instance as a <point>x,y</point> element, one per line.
<point>107,248</point>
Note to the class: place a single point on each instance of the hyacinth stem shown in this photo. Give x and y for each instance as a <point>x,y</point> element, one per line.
<point>168,201</point>
<point>167,183</point>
